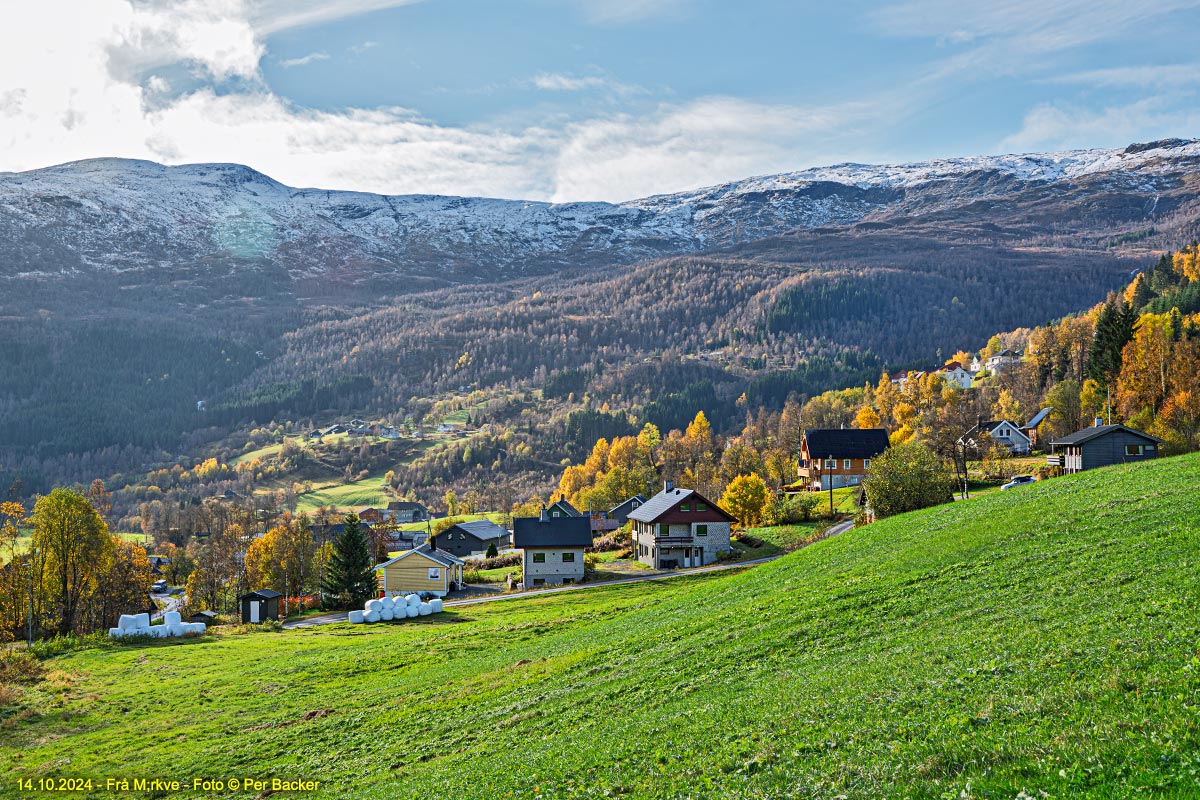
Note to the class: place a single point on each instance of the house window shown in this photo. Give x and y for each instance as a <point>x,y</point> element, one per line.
<point>539,558</point>
<point>866,463</point>
<point>539,581</point>
<point>701,507</point>
<point>702,530</point>
<point>831,463</point>
<point>664,529</point>
<point>435,573</point>
<point>568,580</point>
<point>685,507</point>
<point>846,464</point>
<point>556,514</point>
<point>568,558</point>
<point>1133,450</point>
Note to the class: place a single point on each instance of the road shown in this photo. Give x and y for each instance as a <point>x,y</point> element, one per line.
<point>170,603</point>
<point>340,616</point>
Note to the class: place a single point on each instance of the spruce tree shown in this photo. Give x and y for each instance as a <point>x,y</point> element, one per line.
<point>349,577</point>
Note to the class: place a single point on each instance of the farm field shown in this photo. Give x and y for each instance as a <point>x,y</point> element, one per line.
<point>346,496</point>
<point>1041,641</point>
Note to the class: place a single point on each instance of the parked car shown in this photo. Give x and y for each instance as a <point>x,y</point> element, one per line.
<point>1017,481</point>
<point>158,587</point>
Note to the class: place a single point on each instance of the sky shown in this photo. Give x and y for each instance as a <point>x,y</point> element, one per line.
<point>567,100</point>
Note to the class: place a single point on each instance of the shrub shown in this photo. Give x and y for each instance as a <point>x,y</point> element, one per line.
<point>606,544</point>
<point>906,477</point>
<point>506,560</point>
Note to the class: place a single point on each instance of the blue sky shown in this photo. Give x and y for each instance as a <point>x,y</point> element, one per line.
<point>585,99</point>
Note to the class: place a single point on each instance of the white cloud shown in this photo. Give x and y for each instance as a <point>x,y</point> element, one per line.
<point>288,63</point>
<point>1166,75</point>
<point>554,82</point>
<point>1064,126</point>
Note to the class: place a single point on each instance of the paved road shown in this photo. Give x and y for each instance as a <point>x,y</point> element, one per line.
<point>170,603</point>
<point>340,616</point>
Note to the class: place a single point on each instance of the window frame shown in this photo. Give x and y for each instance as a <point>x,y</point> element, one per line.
<point>702,529</point>
<point>568,558</point>
<point>847,464</point>
<point>538,558</point>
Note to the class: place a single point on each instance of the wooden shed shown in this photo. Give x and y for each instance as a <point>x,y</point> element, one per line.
<point>424,570</point>
<point>1102,446</point>
<point>260,605</point>
<point>207,617</point>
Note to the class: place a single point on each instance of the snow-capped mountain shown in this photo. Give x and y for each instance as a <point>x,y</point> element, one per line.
<point>117,215</point>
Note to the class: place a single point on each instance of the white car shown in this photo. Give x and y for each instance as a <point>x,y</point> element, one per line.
<point>1017,481</point>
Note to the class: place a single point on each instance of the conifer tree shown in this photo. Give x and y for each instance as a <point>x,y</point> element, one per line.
<point>349,578</point>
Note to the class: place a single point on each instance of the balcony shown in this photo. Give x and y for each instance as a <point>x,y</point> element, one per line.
<point>672,541</point>
<point>1056,460</point>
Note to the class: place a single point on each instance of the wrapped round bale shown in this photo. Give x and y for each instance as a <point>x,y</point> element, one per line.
<point>127,622</point>
<point>386,603</point>
<point>436,605</point>
<point>115,632</point>
<point>386,615</point>
<point>373,606</point>
<point>175,629</point>
<point>355,616</point>
<point>142,620</point>
<point>141,630</point>
<point>424,609</point>
<point>411,611</point>
<point>371,616</point>
<point>194,627</point>
<point>158,631</point>
<point>412,599</point>
<point>171,618</point>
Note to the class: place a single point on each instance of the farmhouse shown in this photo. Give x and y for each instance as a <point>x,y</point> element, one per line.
<point>553,548</point>
<point>679,528</point>
<point>404,511</point>
<point>561,508</point>
<point>466,538</point>
<point>1009,436</point>
<point>425,570</point>
<point>1100,446</point>
<point>833,457</point>
<point>954,374</point>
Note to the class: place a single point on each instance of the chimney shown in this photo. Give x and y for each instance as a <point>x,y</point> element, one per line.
<point>433,542</point>
<point>1099,421</point>
<point>544,516</point>
<point>668,486</point>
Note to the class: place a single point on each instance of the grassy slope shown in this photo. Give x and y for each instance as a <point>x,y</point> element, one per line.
<point>1037,640</point>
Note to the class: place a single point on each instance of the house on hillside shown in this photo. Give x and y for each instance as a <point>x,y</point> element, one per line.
<point>406,511</point>
<point>679,528</point>
<point>837,457</point>
<point>552,548</point>
<point>621,513</point>
<point>389,432</point>
<point>466,538</point>
<point>1005,359</point>
<point>955,375</point>
<point>1100,446</point>
<point>158,565</point>
<point>373,516</point>
<point>332,429</point>
<point>424,570</point>
<point>1030,429</point>
<point>1002,432</point>
<point>561,508</point>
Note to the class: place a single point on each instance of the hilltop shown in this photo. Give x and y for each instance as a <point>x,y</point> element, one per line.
<point>1038,641</point>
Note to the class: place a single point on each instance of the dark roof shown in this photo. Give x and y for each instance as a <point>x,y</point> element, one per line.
<point>640,500</point>
<point>846,443</point>
<point>263,594</point>
<point>552,532</point>
<point>1006,353</point>
<point>567,507</point>
<point>1087,434</point>
<point>481,529</point>
<point>405,505</point>
<point>209,614</point>
<point>665,500</point>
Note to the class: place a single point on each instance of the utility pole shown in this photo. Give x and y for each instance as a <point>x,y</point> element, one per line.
<point>30,621</point>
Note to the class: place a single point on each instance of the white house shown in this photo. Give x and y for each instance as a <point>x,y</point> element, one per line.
<point>1002,432</point>
<point>953,373</point>
<point>1003,360</point>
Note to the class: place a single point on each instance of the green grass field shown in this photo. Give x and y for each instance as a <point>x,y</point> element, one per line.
<point>349,496</point>
<point>1040,643</point>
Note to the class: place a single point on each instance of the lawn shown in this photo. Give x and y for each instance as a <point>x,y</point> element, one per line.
<point>348,496</point>
<point>1034,643</point>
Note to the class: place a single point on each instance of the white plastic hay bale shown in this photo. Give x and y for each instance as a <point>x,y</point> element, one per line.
<point>171,618</point>
<point>193,627</point>
<point>386,615</point>
<point>411,611</point>
<point>373,605</point>
<point>142,620</point>
<point>424,609</point>
<point>158,631</point>
<point>116,633</point>
<point>386,603</point>
<point>412,599</point>
<point>355,617</point>
<point>127,622</point>
<point>174,629</point>
<point>141,630</point>
<point>436,605</point>
<point>371,616</point>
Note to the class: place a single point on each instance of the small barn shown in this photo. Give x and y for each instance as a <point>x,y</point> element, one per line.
<point>424,570</point>
<point>260,605</point>
<point>207,617</point>
<point>466,538</point>
<point>1101,446</point>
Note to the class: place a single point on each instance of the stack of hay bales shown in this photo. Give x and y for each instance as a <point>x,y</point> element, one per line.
<point>394,607</point>
<point>139,625</point>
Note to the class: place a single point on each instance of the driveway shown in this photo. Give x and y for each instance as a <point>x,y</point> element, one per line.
<point>340,616</point>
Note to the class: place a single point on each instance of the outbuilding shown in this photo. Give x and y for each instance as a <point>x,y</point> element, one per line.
<point>260,605</point>
<point>207,617</point>
<point>1101,446</point>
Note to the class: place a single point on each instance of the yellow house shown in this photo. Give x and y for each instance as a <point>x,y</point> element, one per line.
<point>423,570</point>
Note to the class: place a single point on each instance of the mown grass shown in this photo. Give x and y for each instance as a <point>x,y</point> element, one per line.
<point>1043,641</point>
<point>348,496</point>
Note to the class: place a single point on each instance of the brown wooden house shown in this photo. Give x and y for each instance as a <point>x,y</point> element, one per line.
<point>832,457</point>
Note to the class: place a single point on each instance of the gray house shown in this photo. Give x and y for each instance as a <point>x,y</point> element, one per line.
<point>553,548</point>
<point>621,513</point>
<point>466,538</point>
<point>679,528</point>
<point>1100,446</point>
